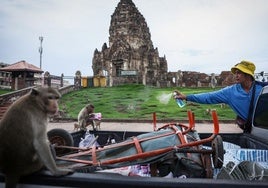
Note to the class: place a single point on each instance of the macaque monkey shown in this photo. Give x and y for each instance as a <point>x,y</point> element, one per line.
<point>84,116</point>
<point>76,127</point>
<point>24,146</point>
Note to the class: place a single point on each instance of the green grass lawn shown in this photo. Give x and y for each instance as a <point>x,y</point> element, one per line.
<point>139,102</point>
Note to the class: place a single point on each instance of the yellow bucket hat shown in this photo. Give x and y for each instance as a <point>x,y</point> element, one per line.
<point>244,66</point>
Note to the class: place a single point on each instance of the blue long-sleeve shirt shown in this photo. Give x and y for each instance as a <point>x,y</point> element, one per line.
<point>235,96</point>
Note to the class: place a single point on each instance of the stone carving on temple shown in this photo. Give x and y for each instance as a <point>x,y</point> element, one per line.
<point>130,56</point>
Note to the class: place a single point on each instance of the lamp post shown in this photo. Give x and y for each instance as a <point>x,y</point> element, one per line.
<point>41,50</point>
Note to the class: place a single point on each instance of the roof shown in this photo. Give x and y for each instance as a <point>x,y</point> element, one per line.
<point>21,66</point>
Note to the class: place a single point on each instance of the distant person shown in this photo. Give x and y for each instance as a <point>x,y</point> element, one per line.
<point>238,96</point>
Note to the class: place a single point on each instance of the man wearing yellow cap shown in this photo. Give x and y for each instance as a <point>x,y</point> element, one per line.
<point>237,96</point>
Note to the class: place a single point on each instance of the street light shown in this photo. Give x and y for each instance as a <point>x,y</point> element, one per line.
<point>41,50</point>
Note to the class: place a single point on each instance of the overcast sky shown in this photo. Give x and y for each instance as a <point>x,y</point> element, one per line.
<point>195,35</point>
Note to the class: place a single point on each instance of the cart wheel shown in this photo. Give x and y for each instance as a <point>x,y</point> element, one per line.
<point>217,151</point>
<point>60,137</point>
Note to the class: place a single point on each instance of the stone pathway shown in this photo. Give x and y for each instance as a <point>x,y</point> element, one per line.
<point>144,127</point>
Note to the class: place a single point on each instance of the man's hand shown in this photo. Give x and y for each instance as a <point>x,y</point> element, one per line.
<point>179,95</point>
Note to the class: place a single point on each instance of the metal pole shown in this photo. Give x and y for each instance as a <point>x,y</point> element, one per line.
<point>41,50</point>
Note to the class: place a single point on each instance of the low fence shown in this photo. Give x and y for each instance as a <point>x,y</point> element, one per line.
<point>14,95</point>
<point>66,89</point>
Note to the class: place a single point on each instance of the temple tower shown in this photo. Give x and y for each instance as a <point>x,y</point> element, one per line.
<point>130,56</point>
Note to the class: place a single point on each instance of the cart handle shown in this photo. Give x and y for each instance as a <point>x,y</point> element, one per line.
<point>215,122</point>
<point>188,128</point>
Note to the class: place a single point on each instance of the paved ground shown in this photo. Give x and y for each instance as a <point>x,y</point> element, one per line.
<point>127,126</point>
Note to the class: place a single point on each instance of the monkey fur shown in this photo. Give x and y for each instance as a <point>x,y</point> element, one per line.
<point>24,146</point>
<point>84,116</point>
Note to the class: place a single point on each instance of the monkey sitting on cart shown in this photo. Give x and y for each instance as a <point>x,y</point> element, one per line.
<point>24,146</point>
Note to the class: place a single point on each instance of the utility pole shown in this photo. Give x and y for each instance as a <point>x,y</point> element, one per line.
<point>41,50</point>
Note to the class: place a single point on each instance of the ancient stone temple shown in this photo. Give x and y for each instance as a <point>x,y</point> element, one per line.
<point>130,56</point>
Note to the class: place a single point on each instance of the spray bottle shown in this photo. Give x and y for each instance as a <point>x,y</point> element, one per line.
<point>178,101</point>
